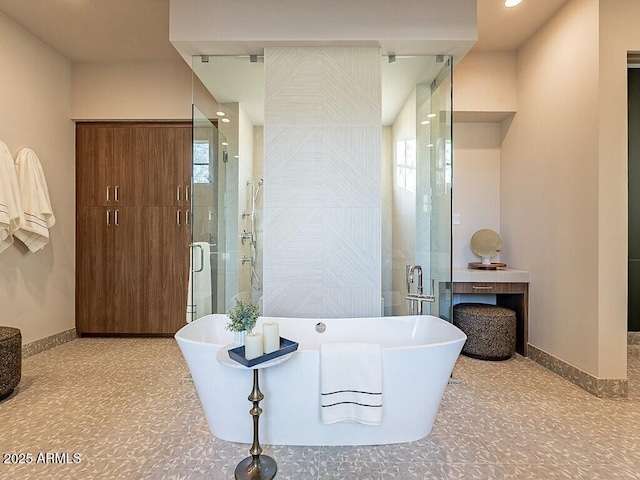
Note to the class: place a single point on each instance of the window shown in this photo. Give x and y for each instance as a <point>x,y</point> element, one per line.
<point>406,165</point>
<point>201,162</point>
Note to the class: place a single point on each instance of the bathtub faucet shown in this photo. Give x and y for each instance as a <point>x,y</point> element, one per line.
<point>417,299</point>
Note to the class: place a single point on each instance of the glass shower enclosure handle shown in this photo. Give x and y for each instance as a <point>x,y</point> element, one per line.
<point>201,257</point>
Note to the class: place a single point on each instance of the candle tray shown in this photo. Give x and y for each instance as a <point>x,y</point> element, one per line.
<point>286,346</point>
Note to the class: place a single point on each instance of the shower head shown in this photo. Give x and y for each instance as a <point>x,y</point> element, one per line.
<point>257,190</point>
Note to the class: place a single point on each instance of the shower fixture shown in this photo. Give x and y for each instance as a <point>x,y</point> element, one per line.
<point>244,236</point>
<point>251,235</point>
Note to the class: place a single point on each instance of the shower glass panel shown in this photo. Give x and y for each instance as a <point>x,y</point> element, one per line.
<point>226,102</point>
<point>434,197</point>
<point>208,228</point>
<point>416,182</point>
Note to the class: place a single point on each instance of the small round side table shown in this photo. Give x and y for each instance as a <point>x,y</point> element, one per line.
<point>257,466</point>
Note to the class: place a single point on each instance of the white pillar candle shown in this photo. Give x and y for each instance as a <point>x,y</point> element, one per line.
<point>271,334</point>
<point>252,345</point>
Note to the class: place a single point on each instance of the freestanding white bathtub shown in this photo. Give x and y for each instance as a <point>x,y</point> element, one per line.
<point>419,353</point>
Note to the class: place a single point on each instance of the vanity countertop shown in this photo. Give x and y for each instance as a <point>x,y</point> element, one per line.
<point>505,275</point>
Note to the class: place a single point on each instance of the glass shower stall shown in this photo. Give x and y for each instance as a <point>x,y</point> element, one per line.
<point>231,186</point>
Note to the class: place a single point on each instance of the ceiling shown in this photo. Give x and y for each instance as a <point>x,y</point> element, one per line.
<point>129,30</point>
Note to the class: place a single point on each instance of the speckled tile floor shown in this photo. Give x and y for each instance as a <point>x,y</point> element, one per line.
<point>128,410</point>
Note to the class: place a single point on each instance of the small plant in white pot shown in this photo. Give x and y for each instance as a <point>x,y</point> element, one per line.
<point>242,319</point>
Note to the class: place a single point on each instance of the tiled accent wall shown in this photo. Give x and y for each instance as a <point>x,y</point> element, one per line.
<point>322,164</point>
<point>633,338</point>
<point>600,387</point>
<point>29,349</point>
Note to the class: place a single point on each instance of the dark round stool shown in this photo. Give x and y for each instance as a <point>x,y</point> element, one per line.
<point>490,330</point>
<point>10,360</point>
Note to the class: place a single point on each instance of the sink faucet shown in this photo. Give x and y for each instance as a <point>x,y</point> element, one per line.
<point>419,297</point>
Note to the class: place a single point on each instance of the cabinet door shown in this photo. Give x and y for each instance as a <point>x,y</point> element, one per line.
<point>94,152</point>
<point>95,251</point>
<point>169,172</point>
<point>151,253</point>
<point>176,237</point>
<point>184,151</point>
<point>129,165</point>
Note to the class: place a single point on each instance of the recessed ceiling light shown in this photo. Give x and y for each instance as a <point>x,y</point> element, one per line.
<point>220,114</point>
<point>430,145</point>
<point>225,120</point>
<point>424,122</point>
<point>224,143</point>
<point>431,115</point>
<point>236,156</point>
<point>511,3</point>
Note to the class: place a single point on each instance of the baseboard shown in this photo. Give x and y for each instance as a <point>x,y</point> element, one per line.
<point>29,349</point>
<point>633,338</point>
<point>600,387</point>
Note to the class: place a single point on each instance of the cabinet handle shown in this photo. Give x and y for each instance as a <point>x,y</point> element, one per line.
<point>178,218</point>
<point>108,218</point>
<point>108,193</point>
<point>187,193</point>
<point>178,196</point>
<point>116,221</point>
<point>482,287</point>
<point>186,218</point>
<point>116,193</point>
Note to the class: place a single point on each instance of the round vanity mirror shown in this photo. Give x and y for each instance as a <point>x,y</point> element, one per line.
<point>487,244</point>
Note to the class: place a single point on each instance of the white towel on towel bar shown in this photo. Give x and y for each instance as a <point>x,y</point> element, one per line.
<point>351,383</point>
<point>11,214</point>
<point>33,231</point>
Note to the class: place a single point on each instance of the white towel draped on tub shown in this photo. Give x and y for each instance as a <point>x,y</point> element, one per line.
<point>351,383</point>
<point>33,231</point>
<point>11,214</point>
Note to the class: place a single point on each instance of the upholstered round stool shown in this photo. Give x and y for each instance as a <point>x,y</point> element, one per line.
<point>10,360</point>
<point>490,330</point>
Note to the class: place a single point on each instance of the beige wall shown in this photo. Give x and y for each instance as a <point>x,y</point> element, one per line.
<point>550,188</point>
<point>476,188</point>
<point>485,87</point>
<point>37,289</point>
<point>619,34</point>
<point>153,90</point>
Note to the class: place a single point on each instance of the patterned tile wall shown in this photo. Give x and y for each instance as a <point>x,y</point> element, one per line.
<point>322,164</point>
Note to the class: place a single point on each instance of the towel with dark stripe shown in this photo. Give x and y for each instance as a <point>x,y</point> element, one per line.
<point>351,383</point>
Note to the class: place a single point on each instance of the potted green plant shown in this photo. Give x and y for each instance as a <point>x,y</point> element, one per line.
<point>242,319</point>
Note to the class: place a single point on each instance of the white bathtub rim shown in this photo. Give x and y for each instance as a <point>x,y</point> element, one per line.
<point>462,337</point>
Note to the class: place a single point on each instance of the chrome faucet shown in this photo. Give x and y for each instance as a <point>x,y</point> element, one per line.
<point>412,269</point>
<point>416,299</point>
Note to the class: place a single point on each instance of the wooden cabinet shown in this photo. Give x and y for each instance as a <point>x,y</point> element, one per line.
<point>133,233</point>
